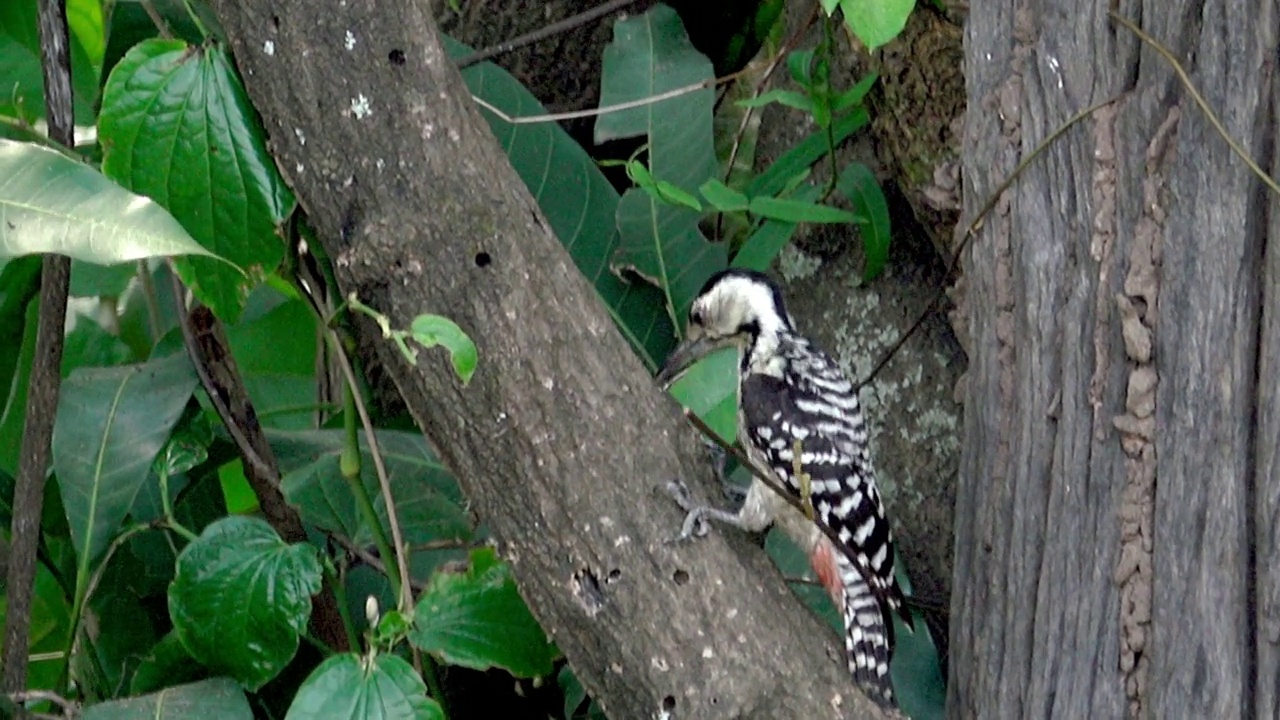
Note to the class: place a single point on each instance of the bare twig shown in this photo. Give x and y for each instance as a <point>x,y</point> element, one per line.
<point>543,33</point>
<point>46,376</point>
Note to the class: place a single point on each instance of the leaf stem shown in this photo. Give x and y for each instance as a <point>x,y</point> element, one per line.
<point>344,610</point>
<point>195,18</point>
<point>170,521</point>
<point>349,464</point>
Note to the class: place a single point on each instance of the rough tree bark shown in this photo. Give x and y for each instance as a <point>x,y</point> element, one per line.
<point>1116,513</point>
<point>561,440</point>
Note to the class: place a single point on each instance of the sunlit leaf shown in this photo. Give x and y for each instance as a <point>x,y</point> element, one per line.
<point>875,22</point>
<point>51,203</point>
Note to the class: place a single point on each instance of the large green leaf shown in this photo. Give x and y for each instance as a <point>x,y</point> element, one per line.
<point>276,354</point>
<point>661,242</point>
<point>350,687</point>
<point>111,423</point>
<point>51,203</point>
<point>577,200</point>
<point>476,619</point>
<point>217,698</point>
<point>22,84</point>
<point>710,389</point>
<point>167,664</point>
<point>177,126</point>
<point>429,505</point>
<point>241,597</point>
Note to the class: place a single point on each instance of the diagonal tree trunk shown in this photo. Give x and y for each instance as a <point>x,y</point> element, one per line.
<point>561,439</point>
<point>1116,515</point>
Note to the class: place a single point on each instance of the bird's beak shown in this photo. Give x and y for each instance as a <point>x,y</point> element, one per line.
<point>685,355</point>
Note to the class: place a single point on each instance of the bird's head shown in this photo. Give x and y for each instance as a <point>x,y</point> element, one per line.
<point>734,307</point>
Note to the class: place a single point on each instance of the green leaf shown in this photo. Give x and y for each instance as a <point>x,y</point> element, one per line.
<point>854,95</point>
<point>19,283</point>
<point>51,203</point>
<point>429,505</point>
<point>14,414</point>
<point>578,201</point>
<point>90,345</point>
<point>789,98</point>
<point>166,665</point>
<point>350,687</point>
<point>111,423</point>
<point>177,126</point>
<point>275,345</point>
<point>804,154</point>
<point>432,330</point>
<point>859,185</point>
<point>760,250</point>
<point>91,280</point>
<point>790,210</point>
<point>50,615</point>
<point>650,55</point>
<point>876,23</point>
<point>723,197</point>
<point>214,698</point>
<point>710,389</point>
<point>476,619</point>
<point>241,597</point>
<point>22,87</point>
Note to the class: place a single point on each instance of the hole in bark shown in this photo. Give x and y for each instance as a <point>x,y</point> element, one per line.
<point>680,576</point>
<point>613,575</point>
<point>275,21</point>
<point>586,590</point>
<point>483,259</point>
<point>396,57</point>
<point>668,703</point>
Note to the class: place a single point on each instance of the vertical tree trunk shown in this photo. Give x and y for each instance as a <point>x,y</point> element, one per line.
<point>1119,492</point>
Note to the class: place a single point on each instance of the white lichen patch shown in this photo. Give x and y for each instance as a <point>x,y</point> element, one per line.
<point>349,42</point>
<point>794,264</point>
<point>302,139</point>
<point>269,48</point>
<point>360,107</point>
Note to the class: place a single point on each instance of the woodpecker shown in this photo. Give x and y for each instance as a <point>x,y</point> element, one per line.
<point>792,398</point>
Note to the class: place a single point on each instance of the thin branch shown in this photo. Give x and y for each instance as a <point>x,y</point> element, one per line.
<point>46,377</point>
<point>68,707</point>
<point>543,33</point>
<point>617,107</point>
<point>1197,98</point>
<point>162,26</point>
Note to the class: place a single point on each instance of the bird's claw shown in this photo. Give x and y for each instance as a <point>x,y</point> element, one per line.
<point>695,522</point>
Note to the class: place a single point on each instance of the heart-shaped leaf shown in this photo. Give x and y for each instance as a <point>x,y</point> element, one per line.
<point>476,619</point>
<point>241,597</point>
<point>350,687</point>
<point>177,125</point>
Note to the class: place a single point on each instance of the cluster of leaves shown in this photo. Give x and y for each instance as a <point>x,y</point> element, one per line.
<point>149,535</point>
